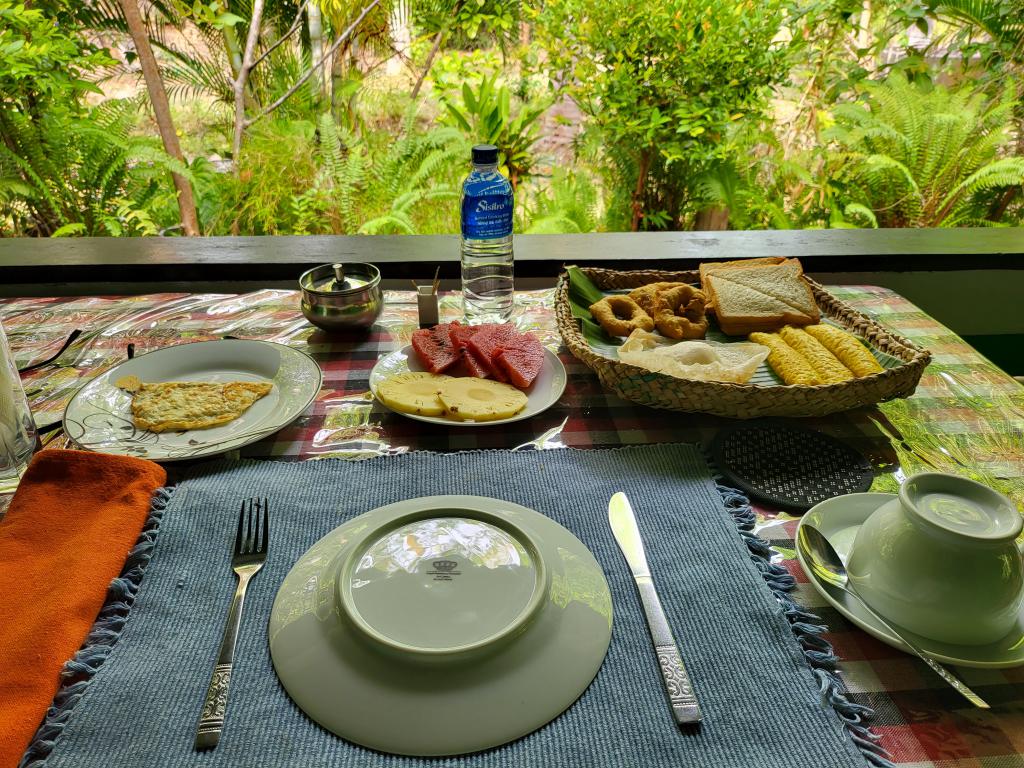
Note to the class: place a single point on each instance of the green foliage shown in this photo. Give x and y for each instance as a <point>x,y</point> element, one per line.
<point>468,20</point>
<point>924,158</point>
<point>84,174</point>
<point>39,61</point>
<point>662,82</point>
<point>299,177</point>
<point>569,204</point>
<point>487,117</point>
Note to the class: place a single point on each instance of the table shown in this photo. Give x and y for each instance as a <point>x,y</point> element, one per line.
<point>966,416</point>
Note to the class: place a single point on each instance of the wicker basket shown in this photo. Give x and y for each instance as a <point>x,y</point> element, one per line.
<point>744,401</point>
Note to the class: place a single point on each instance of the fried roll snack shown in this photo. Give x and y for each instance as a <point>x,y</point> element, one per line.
<point>620,315</point>
<point>681,314</point>
<point>786,361</point>
<point>847,348</point>
<point>824,363</point>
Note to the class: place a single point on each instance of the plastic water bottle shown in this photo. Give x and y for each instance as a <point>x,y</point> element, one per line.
<point>487,288</point>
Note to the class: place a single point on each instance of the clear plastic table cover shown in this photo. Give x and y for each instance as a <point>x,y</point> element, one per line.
<point>967,416</point>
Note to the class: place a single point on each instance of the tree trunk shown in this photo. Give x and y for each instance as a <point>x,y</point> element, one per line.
<point>316,45</point>
<point>713,219</point>
<point>643,166</point>
<point>243,78</point>
<point>438,38</point>
<point>162,111</point>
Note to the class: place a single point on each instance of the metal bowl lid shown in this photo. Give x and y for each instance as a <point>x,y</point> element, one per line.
<point>339,278</point>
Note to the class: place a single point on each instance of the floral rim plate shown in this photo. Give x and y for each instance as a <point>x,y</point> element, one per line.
<point>839,519</point>
<point>542,394</point>
<point>98,417</point>
<point>441,625</point>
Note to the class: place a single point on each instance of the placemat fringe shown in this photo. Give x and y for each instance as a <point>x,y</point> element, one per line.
<point>808,628</point>
<point>80,669</point>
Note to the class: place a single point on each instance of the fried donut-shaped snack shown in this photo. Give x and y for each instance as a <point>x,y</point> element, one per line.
<point>620,315</point>
<point>682,314</point>
<point>649,296</point>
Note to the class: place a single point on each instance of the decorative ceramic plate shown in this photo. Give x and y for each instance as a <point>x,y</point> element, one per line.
<point>542,394</point>
<point>839,519</point>
<point>99,418</point>
<point>441,625</point>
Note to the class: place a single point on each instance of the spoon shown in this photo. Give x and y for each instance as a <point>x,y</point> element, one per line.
<point>828,566</point>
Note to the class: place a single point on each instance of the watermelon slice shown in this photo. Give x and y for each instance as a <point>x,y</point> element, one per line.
<point>460,339</point>
<point>487,341</point>
<point>520,358</point>
<point>434,347</point>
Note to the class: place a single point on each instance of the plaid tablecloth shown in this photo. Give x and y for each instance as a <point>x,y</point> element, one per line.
<point>967,415</point>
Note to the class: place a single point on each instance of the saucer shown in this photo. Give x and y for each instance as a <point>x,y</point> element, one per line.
<point>441,625</point>
<point>839,519</point>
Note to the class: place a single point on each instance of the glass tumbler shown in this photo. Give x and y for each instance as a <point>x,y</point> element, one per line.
<point>17,429</point>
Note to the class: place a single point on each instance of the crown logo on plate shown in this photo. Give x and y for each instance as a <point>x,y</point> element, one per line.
<point>445,565</point>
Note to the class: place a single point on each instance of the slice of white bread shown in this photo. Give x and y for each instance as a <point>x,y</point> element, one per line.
<point>709,267</point>
<point>761,261</point>
<point>758,298</point>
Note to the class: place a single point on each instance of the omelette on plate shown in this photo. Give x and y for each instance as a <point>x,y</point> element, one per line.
<point>176,406</point>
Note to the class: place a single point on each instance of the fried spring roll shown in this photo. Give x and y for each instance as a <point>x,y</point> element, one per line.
<point>847,348</point>
<point>786,361</point>
<point>828,367</point>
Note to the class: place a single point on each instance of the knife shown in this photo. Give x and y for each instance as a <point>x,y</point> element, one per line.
<point>673,672</point>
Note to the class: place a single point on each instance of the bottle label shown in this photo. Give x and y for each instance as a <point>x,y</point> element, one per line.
<point>487,216</point>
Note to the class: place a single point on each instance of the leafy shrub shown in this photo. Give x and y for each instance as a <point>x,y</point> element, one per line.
<point>67,173</point>
<point>925,158</point>
<point>662,82</point>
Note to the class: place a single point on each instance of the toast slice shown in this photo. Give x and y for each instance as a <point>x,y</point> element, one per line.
<point>761,298</point>
<point>714,266</point>
<point>709,267</point>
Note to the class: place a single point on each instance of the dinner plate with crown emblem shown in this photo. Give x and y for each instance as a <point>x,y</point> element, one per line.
<point>441,625</point>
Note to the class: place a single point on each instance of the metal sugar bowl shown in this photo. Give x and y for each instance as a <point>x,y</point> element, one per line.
<point>342,297</point>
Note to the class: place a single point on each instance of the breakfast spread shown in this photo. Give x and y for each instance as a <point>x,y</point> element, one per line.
<point>177,406</point>
<point>465,398</point>
<point>700,360</point>
<point>767,300</point>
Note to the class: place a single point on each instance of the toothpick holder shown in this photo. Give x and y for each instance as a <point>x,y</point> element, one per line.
<point>426,301</point>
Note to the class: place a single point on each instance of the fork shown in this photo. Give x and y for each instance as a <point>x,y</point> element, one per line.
<point>249,554</point>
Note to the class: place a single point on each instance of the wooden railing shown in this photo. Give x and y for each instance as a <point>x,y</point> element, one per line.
<point>28,262</point>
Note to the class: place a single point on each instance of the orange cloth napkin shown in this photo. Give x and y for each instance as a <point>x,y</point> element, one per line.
<point>67,533</point>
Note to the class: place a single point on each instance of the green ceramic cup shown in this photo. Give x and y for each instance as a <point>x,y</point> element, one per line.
<point>942,560</point>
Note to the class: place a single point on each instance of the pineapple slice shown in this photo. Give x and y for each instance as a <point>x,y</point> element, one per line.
<point>413,393</point>
<point>472,399</point>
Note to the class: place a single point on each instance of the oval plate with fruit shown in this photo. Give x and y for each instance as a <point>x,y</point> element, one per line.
<point>471,402</point>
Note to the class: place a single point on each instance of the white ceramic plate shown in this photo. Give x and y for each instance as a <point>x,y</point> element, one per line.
<point>839,519</point>
<point>542,394</point>
<point>441,625</point>
<point>99,418</point>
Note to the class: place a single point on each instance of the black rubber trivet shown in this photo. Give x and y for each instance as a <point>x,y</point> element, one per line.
<point>787,467</point>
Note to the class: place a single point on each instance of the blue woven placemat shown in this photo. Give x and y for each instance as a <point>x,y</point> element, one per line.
<point>762,705</point>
